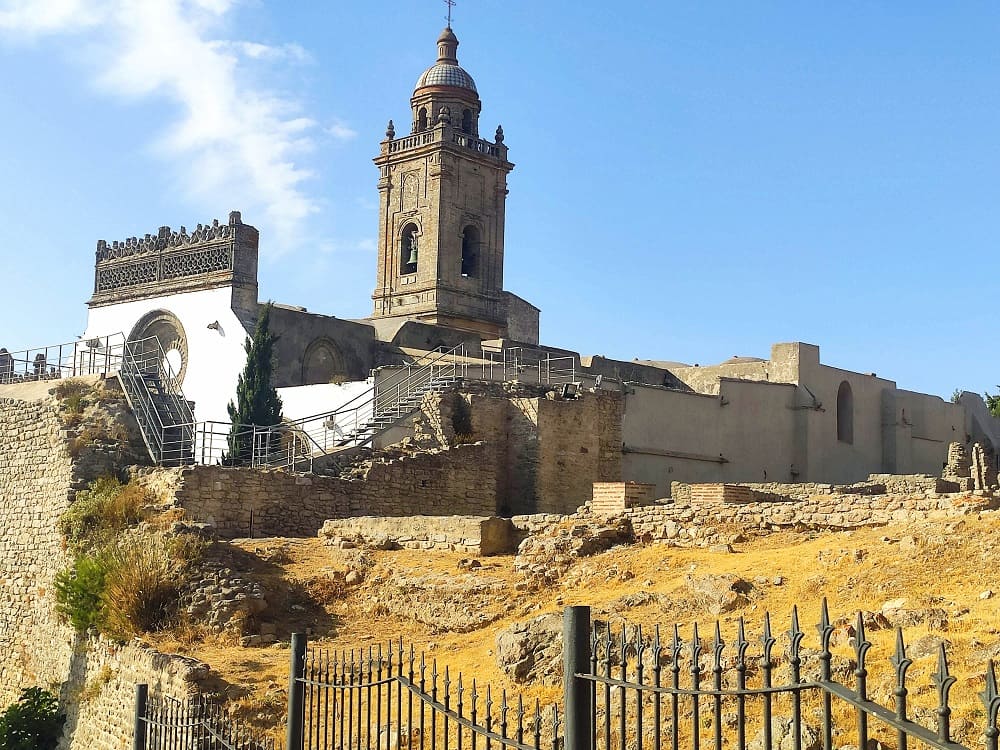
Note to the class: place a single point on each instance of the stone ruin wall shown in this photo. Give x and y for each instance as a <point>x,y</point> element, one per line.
<point>545,452</point>
<point>691,524</point>
<point>876,484</point>
<point>93,677</point>
<point>444,482</point>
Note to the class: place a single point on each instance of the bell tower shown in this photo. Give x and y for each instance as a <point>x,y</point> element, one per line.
<point>442,193</point>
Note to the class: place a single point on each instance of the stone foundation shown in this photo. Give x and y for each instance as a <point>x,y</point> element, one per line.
<point>471,534</point>
<point>686,523</point>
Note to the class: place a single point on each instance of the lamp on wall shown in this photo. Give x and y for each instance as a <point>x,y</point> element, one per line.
<point>214,325</point>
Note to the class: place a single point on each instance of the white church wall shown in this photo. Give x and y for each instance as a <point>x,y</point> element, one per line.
<point>302,401</point>
<point>215,357</point>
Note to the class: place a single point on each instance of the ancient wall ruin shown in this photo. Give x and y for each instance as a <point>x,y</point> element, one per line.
<point>544,451</point>
<point>42,463</point>
<point>686,523</point>
<point>442,482</point>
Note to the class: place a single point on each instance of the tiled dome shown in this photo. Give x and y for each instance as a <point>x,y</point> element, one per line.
<point>446,74</point>
<point>446,71</point>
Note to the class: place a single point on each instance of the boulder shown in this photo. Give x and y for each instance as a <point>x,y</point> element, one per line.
<point>783,736</point>
<point>532,650</point>
<point>719,593</point>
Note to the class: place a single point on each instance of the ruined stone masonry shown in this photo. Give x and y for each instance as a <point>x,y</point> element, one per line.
<point>93,677</point>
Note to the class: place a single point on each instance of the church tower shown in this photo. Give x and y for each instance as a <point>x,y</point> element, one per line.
<point>442,192</point>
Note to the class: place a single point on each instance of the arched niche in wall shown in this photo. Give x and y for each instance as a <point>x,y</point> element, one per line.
<point>845,413</point>
<point>322,363</point>
<point>166,328</point>
<point>409,240</point>
<point>471,241</point>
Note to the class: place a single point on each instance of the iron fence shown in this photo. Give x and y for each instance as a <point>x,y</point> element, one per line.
<point>636,697</point>
<point>621,691</point>
<point>392,698</point>
<point>630,690</point>
<point>193,724</point>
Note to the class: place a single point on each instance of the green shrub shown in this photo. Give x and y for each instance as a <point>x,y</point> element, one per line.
<point>79,589</point>
<point>74,397</point>
<point>33,723</point>
<point>100,512</point>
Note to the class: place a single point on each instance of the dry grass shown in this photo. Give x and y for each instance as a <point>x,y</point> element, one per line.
<point>948,568</point>
<point>140,590</point>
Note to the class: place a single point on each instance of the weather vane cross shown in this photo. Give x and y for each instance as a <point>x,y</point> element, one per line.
<point>450,4</point>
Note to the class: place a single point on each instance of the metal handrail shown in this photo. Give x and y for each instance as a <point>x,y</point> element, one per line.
<point>353,424</point>
<point>145,364</point>
<point>101,355</point>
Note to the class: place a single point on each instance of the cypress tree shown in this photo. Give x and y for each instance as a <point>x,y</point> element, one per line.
<point>257,401</point>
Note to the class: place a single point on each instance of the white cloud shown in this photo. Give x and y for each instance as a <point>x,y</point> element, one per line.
<point>341,131</point>
<point>240,145</point>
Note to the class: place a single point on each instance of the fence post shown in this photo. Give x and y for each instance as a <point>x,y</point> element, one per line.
<point>296,694</point>
<point>578,711</point>
<point>139,730</point>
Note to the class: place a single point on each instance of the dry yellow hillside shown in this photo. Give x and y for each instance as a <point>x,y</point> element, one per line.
<point>422,597</point>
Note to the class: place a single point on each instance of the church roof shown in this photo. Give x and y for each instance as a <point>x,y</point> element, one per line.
<point>446,74</point>
<point>446,71</point>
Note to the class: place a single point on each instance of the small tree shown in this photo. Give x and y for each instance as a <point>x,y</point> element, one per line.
<point>33,723</point>
<point>993,402</point>
<point>257,402</point>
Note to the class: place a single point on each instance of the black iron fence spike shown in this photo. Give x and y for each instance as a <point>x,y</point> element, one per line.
<point>741,642</point>
<point>899,659</point>
<point>718,647</point>
<point>767,640</point>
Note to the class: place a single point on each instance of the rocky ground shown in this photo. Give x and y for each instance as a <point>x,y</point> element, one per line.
<point>498,618</point>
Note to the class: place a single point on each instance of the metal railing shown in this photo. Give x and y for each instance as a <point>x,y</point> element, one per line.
<point>96,356</point>
<point>192,724</point>
<point>630,690</point>
<point>296,444</point>
<point>388,698</point>
<point>164,415</point>
<point>621,679</point>
<point>532,366</point>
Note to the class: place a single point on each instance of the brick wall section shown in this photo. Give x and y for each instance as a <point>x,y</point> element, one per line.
<point>93,677</point>
<point>683,523</point>
<point>450,481</point>
<point>615,497</point>
<point>700,494</point>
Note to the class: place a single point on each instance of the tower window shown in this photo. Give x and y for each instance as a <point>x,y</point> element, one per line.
<point>845,413</point>
<point>467,121</point>
<point>408,250</point>
<point>422,119</point>
<point>470,252</point>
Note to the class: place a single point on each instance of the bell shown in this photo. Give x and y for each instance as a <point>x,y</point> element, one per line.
<point>412,259</point>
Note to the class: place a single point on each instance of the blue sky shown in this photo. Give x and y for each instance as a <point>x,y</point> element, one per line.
<point>694,180</point>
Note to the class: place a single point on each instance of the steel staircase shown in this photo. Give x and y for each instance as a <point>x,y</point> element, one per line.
<point>359,422</point>
<point>165,417</point>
